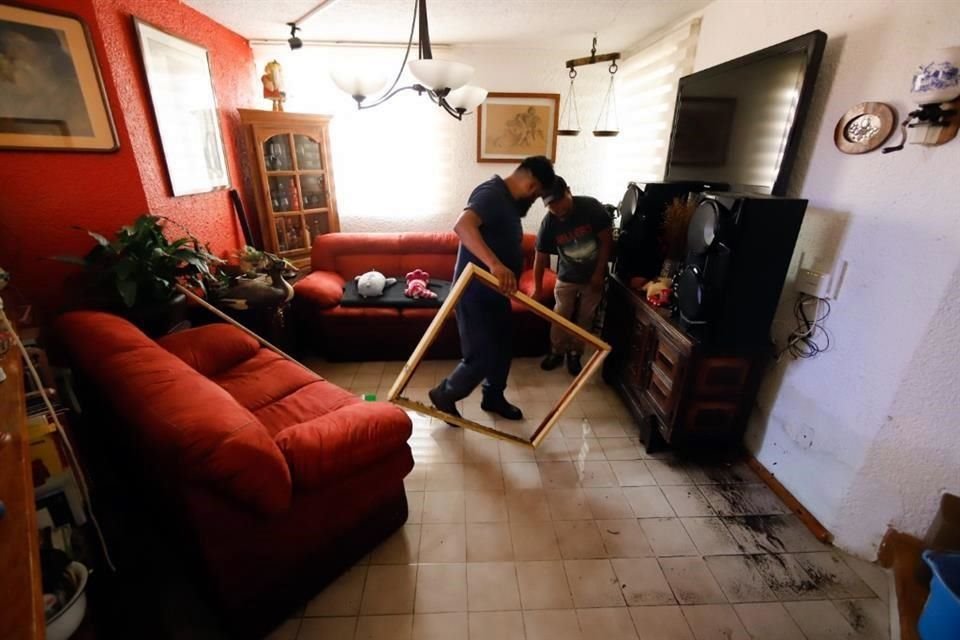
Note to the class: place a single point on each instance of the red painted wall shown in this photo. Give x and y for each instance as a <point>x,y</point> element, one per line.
<point>44,194</point>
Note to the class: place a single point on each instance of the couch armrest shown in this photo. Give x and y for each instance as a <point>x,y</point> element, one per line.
<point>342,441</point>
<point>525,285</point>
<point>322,288</point>
<point>211,349</point>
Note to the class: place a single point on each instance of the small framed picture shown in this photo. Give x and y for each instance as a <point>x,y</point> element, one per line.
<point>512,126</point>
<point>181,90</point>
<point>51,92</point>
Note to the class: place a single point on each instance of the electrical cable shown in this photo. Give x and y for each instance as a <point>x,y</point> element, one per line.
<point>811,337</point>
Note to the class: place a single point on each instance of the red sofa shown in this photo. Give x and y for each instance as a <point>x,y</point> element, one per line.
<point>376,333</point>
<point>276,478</point>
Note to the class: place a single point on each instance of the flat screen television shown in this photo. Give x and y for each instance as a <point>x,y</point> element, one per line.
<point>739,122</point>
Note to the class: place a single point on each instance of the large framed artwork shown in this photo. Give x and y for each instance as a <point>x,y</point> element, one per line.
<point>538,432</point>
<point>51,92</point>
<point>512,126</point>
<point>181,89</point>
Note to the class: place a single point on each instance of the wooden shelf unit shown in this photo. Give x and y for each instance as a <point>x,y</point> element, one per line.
<point>293,175</point>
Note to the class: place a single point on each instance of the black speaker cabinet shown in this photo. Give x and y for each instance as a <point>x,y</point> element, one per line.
<point>641,217</point>
<point>738,251</point>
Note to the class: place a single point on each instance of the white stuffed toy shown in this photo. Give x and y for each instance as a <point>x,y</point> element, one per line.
<point>372,284</point>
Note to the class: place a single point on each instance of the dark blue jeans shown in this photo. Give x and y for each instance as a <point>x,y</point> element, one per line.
<point>486,331</point>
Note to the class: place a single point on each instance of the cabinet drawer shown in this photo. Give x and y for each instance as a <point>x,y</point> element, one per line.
<point>661,392</point>
<point>722,376</point>
<point>715,419</point>
<point>668,359</point>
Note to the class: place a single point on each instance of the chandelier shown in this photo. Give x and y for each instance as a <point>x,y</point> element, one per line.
<point>444,82</point>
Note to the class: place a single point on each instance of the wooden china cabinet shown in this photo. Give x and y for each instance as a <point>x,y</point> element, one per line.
<point>293,175</point>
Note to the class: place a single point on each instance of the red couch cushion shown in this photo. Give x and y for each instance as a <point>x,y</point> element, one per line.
<point>342,442</point>
<point>211,349</point>
<point>322,288</point>
<point>315,399</point>
<point>525,285</point>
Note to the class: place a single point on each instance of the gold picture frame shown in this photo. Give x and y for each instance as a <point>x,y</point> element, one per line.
<point>52,96</point>
<point>513,126</point>
<point>471,273</point>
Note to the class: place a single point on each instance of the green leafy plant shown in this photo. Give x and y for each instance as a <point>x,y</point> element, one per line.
<point>141,266</point>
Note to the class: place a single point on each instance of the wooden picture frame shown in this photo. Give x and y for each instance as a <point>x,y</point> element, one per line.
<point>52,96</point>
<point>513,126</point>
<point>864,127</point>
<point>474,273</point>
<point>185,108</point>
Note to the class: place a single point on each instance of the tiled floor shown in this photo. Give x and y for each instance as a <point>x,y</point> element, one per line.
<point>586,537</point>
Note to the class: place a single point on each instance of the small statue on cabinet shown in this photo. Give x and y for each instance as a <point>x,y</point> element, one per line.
<point>272,80</point>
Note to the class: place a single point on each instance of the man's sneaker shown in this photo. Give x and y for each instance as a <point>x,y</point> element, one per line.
<point>573,363</point>
<point>502,408</point>
<point>552,361</point>
<point>443,403</point>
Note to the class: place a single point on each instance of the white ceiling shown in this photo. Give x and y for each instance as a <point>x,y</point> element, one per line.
<point>561,24</point>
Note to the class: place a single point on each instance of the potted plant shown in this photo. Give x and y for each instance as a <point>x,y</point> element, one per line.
<point>137,273</point>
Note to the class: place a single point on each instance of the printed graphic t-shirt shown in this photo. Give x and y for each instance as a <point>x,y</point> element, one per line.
<point>575,240</point>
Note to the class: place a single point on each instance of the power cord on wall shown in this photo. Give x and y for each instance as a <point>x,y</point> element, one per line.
<point>811,337</point>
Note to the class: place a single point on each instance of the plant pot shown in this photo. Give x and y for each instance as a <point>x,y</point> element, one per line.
<point>64,623</point>
<point>157,318</point>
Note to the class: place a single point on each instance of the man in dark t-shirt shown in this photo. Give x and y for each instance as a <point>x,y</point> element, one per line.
<point>491,237</point>
<point>577,229</point>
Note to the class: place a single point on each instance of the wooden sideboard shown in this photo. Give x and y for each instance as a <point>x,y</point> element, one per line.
<point>680,391</point>
<point>22,610</point>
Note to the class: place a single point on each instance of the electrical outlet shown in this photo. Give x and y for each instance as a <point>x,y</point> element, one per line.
<point>813,283</point>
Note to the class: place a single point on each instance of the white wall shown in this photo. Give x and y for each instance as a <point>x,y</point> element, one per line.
<point>404,165</point>
<point>865,436</point>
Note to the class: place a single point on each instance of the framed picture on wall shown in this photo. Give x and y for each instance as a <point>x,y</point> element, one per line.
<point>181,90</point>
<point>51,92</point>
<point>512,126</point>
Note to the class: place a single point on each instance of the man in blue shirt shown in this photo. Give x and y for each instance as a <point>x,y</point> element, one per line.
<point>491,237</point>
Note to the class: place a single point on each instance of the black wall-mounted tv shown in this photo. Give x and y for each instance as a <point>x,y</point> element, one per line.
<point>740,122</point>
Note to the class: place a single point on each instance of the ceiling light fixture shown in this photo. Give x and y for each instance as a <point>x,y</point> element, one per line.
<point>294,42</point>
<point>444,82</point>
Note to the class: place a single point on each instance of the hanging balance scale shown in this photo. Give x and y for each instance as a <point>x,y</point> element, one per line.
<point>607,124</point>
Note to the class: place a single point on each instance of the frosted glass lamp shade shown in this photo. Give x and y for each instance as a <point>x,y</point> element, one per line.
<point>439,75</point>
<point>466,98</point>
<point>358,84</point>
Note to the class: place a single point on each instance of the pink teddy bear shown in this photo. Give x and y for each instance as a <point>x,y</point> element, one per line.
<point>417,281</point>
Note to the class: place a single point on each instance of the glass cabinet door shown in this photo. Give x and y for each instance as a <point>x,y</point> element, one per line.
<point>291,235</point>
<point>277,154</point>
<point>309,153</point>
<point>284,194</point>
<point>316,225</point>
<point>312,191</point>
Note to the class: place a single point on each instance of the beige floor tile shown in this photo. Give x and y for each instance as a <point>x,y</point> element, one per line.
<point>833,575</point>
<point>289,628</point>
<point>389,589</point>
<point>691,581</point>
<point>584,448</point>
<point>575,428</point>
<point>620,448</point>
<point>534,541</point>
<point>513,452</point>
<point>768,621</point>
<point>661,623</point>
<point>607,427</point>
<point>868,617</point>
<point>648,502</point>
<point>443,506</point>
<point>609,624</point>
<point>668,537</point>
<point>440,626</point>
<point>341,597</point>
<point>385,627</point>
<point>773,534</point>
<point>642,582</point>
<point>552,625</point>
<point>669,472</point>
<point>714,622</point>
<point>624,538</point>
<point>445,476</point>
<point>579,539</point>
<point>687,501</point>
<point>568,504</point>
<point>529,505</point>
<point>492,586</point>
<point>485,506</point>
<point>480,448</point>
<point>553,449</point>
<point>414,507</point>
<point>443,543</point>
<point>595,473</point>
<point>518,476</point>
<point>632,473</point>
<point>873,574</point>
<point>327,628</point>
<point>559,475</point>
<point>786,578</point>
<point>482,476</point>
<point>416,480</point>
<point>496,625</point>
<point>441,588</point>
<point>711,536</point>
<point>543,585</point>
<point>593,583</point>
<point>820,620</point>
<point>608,503</point>
<point>403,547</point>
<point>489,542</point>
<point>739,579</point>
<point>743,500</point>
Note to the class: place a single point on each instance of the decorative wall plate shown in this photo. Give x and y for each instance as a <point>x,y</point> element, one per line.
<point>864,127</point>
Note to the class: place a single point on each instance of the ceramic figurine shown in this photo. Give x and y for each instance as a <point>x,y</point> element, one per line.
<point>273,88</point>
